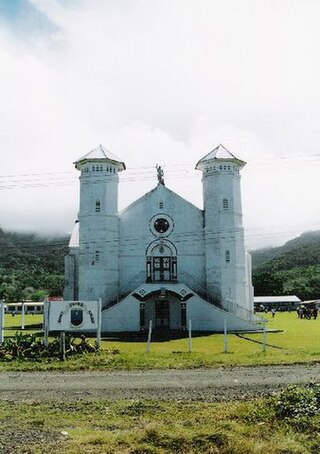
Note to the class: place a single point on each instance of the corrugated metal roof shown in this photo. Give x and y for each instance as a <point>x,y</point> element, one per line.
<point>277,299</point>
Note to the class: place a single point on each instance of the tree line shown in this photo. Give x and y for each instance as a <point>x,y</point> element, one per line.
<point>32,267</point>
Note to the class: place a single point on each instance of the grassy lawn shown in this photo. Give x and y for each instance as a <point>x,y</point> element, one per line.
<point>157,426</point>
<point>299,341</point>
<point>150,426</point>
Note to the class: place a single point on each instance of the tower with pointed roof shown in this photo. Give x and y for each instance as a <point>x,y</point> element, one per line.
<point>98,224</point>
<point>226,267</point>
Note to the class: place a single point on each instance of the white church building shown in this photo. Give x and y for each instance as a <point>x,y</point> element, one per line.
<point>162,258</point>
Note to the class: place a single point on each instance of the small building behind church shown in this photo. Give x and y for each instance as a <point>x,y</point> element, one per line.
<point>162,259</point>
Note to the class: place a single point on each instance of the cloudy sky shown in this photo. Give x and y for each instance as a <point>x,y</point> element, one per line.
<point>161,81</point>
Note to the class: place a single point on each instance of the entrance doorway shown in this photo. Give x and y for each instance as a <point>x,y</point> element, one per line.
<point>162,315</point>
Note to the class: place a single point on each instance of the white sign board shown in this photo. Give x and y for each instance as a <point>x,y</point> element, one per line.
<point>81,316</point>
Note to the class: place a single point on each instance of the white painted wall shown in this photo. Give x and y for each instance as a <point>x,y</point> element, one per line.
<point>186,236</point>
<point>227,280</point>
<point>206,317</point>
<point>125,316</point>
<point>199,240</point>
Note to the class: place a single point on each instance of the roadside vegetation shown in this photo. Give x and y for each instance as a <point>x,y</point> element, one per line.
<point>287,423</point>
<point>289,340</point>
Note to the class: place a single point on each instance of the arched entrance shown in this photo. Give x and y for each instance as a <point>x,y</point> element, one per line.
<point>161,262</point>
<point>166,308</point>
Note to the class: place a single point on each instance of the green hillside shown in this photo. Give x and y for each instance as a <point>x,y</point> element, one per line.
<point>31,266</point>
<point>293,268</point>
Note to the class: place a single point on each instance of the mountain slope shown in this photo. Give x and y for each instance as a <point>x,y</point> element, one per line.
<point>291,269</point>
<point>30,264</point>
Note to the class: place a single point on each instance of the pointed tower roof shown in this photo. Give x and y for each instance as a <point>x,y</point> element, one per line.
<point>101,154</point>
<point>220,153</point>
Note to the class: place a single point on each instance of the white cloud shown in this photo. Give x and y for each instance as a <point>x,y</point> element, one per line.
<point>165,81</point>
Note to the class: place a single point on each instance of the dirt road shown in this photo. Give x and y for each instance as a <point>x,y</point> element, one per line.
<point>200,384</point>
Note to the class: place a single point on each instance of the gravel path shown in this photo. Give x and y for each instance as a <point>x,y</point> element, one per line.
<point>217,384</point>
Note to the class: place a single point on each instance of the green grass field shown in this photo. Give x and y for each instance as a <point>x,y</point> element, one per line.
<point>299,341</point>
<point>160,427</point>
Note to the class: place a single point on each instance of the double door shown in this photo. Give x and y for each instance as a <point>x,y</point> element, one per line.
<point>162,315</point>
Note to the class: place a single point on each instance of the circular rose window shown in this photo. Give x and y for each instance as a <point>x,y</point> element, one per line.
<point>161,225</point>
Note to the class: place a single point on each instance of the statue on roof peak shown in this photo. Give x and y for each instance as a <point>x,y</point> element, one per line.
<point>160,174</point>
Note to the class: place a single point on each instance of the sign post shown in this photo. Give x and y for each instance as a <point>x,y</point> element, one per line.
<point>46,322</point>
<point>23,308</point>
<point>149,337</point>
<point>225,337</point>
<point>62,346</point>
<point>190,336</point>
<point>264,335</point>
<point>1,321</point>
<point>99,323</point>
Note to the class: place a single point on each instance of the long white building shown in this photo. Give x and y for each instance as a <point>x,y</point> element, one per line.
<point>162,258</point>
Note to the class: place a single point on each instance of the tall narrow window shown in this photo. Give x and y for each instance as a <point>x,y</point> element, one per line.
<point>228,256</point>
<point>97,256</point>
<point>98,206</point>
<point>161,205</point>
<point>225,204</point>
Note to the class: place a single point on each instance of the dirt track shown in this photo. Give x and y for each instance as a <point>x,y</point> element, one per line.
<point>200,384</point>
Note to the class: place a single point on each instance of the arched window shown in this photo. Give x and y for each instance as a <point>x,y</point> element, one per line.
<point>161,261</point>
<point>98,206</point>
<point>227,256</point>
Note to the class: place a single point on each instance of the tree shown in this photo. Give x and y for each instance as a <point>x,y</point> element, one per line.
<point>10,292</point>
<point>266,283</point>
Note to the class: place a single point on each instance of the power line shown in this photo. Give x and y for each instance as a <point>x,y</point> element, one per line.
<point>308,158</point>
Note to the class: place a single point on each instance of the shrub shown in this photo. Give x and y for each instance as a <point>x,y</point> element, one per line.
<point>298,402</point>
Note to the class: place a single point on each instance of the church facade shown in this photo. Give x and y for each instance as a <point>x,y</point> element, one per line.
<point>162,259</point>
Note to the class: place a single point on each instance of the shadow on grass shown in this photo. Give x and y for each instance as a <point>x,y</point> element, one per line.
<point>34,327</point>
<point>164,336</point>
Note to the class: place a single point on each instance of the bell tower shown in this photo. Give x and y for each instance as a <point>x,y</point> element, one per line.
<point>99,224</point>
<point>226,267</point>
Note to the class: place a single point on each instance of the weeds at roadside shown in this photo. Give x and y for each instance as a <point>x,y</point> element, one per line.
<point>159,427</point>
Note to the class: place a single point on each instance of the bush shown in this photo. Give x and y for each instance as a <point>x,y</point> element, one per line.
<point>298,402</point>
<point>30,347</point>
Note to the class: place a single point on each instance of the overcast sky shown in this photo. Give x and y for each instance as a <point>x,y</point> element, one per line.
<point>161,81</point>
